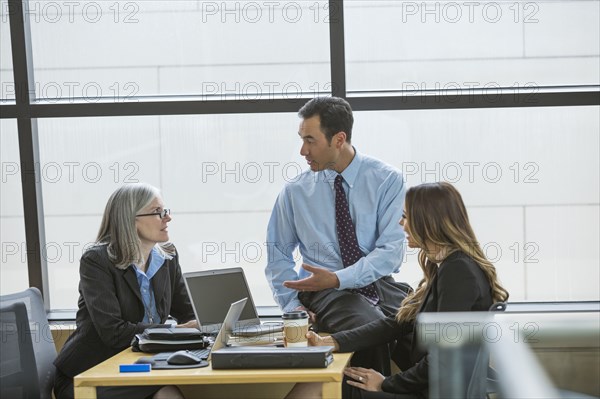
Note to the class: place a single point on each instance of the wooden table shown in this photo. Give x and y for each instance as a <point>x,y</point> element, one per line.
<point>107,374</point>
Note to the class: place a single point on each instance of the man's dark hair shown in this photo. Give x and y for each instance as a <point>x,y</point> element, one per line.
<point>335,115</point>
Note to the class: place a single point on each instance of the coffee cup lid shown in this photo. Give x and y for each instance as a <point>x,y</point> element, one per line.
<point>296,314</point>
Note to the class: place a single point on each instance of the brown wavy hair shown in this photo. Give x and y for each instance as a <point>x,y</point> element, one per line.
<point>438,223</point>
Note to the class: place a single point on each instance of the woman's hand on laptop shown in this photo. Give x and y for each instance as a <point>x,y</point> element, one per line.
<point>189,324</point>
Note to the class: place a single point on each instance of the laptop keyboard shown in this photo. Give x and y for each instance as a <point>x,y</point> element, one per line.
<point>201,353</point>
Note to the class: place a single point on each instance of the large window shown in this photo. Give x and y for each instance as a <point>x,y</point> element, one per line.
<point>519,180</point>
<point>140,91</point>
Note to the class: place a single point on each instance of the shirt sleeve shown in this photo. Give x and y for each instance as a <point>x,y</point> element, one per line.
<point>282,240</point>
<point>414,379</point>
<point>377,332</point>
<point>387,256</point>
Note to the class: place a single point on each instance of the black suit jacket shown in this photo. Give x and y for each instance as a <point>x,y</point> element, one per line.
<point>111,309</point>
<point>459,286</point>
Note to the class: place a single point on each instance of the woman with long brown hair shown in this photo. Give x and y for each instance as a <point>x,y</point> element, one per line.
<point>457,278</point>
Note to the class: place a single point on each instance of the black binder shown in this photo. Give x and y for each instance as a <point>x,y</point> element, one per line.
<point>154,340</point>
<point>254,357</point>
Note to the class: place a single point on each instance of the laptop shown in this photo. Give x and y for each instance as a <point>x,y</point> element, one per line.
<point>232,317</point>
<point>234,312</point>
<point>213,291</point>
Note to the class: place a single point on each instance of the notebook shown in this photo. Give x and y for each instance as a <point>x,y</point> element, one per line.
<point>213,291</point>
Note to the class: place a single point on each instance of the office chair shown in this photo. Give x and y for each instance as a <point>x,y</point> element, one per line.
<point>498,307</point>
<point>27,347</point>
<point>492,375</point>
<point>483,381</point>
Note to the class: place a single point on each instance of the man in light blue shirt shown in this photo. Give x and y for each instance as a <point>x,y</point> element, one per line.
<point>304,217</point>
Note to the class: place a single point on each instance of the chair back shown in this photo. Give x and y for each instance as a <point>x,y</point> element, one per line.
<point>477,387</point>
<point>498,307</point>
<point>18,371</point>
<point>484,378</point>
<point>25,329</point>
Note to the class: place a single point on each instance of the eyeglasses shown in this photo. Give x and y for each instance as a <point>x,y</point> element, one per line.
<point>161,214</point>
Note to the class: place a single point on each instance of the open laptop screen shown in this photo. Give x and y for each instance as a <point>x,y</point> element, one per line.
<point>212,293</point>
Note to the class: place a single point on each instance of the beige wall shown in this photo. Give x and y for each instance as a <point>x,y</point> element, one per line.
<point>572,368</point>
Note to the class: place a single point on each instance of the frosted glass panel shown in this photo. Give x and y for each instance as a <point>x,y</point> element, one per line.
<point>13,272</point>
<point>219,174</point>
<point>447,45</point>
<point>226,50</point>
<point>7,80</point>
<point>530,180</point>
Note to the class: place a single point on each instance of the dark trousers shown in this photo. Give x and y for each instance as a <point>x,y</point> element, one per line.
<point>350,392</point>
<point>341,310</point>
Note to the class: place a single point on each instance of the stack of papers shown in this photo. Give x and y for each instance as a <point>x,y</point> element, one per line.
<point>273,338</point>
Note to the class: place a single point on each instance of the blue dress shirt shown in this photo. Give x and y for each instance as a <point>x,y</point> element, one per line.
<point>304,217</point>
<point>157,259</point>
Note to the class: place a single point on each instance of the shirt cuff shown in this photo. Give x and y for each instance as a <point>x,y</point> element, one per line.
<point>346,277</point>
<point>387,385</point>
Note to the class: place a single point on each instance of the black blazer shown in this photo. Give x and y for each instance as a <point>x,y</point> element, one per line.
<point>111,309</point>
<point>459,286</point>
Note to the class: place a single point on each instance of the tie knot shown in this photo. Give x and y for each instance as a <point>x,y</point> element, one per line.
<point>339,179</point>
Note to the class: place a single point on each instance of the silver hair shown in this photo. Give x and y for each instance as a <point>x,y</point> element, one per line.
<point>118,230</point>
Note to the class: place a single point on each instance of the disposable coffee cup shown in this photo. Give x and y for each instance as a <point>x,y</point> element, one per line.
<point>295,328</point>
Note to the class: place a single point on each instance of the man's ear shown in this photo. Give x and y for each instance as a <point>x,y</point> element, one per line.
<point>340,139</point>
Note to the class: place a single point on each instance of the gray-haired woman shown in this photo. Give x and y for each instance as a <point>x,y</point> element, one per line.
<point>129,281</point>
